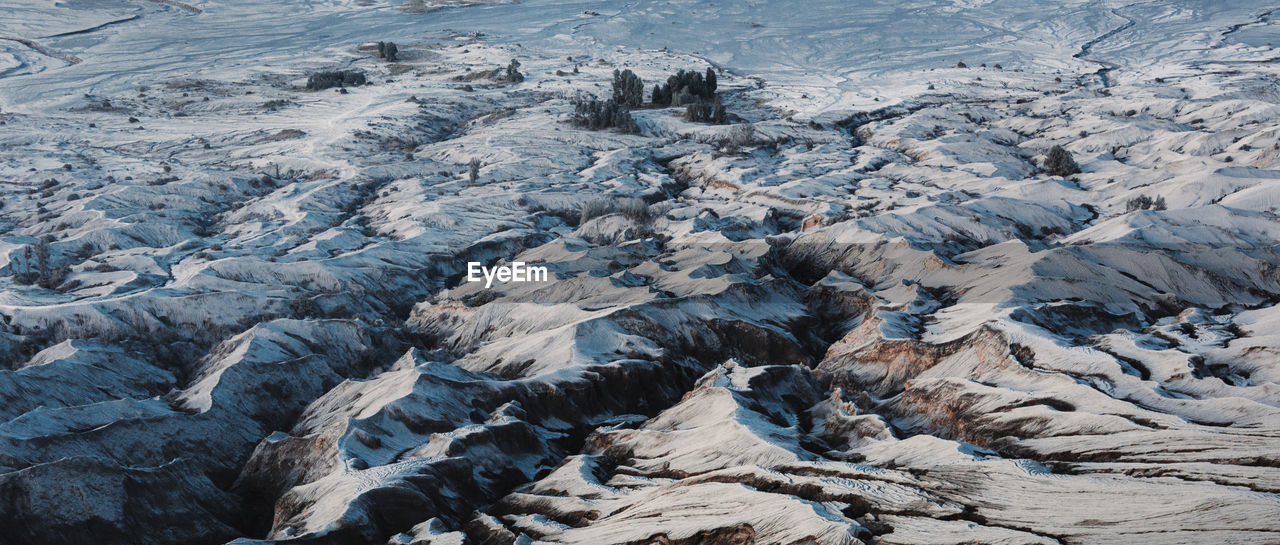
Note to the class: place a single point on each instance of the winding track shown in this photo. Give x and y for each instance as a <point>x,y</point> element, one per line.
<point>46,51</point>
<point>1103,72</point>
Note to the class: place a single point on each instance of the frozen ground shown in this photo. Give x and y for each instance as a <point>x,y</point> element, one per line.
<point>871,318</point>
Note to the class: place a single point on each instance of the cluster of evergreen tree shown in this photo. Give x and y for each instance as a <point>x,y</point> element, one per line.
<point>628,89</point>
<point>513,74</point>
<point>595,115</point>
<point>685,88</point>
<point>43,272</point>
<point>388,50</point>
<point>339,78</point>
<point>694,90</point>
<point>1144,202</point>
<point>706,111</point>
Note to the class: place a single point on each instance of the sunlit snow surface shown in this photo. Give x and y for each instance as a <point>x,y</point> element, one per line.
<point>872,318</point>
<point>840,54</point>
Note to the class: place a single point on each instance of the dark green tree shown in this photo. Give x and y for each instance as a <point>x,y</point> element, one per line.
<point>662,96</point>
<point>341,78</point>
<point>388,50</point>
<point>1060,163</point>
<point>595,115</point>
<point>628,89</point>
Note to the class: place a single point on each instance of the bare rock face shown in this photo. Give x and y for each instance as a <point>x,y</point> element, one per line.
<point>121,460</point>
<point>83,500</point>
<point>868,309</point>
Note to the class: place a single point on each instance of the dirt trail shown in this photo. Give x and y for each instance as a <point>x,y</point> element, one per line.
<point>45,50</point>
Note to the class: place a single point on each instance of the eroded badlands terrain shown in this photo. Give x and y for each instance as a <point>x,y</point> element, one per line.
<point>234,310</point>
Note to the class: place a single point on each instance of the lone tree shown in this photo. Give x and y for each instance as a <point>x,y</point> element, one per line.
<point>22,271</point>
<point>628,89</point>
<point>1060,163</point>
<point>473,171</point>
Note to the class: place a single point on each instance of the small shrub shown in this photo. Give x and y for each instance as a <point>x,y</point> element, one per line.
<point>1050,230</point>
<point>1143,202</point>
<point>740,136</point>
<point>305,307</point>
<point>48,275</point>
<point>631,208</point>
<point>594,209</point>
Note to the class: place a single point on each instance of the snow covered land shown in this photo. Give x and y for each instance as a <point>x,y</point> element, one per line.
<point>850,293</point>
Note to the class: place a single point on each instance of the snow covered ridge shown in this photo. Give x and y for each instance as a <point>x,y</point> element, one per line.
<point>850,293</point>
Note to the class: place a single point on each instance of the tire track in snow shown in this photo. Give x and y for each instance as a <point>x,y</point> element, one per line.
<point>95,28</point>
